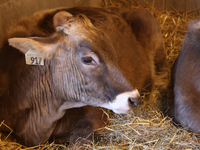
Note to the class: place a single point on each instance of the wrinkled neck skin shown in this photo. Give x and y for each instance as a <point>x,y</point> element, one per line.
<point>41,103</point>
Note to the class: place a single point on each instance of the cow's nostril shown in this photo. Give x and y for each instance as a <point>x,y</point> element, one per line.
<point>132,101</point>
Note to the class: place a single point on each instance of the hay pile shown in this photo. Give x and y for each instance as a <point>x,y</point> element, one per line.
<point>145,127</point>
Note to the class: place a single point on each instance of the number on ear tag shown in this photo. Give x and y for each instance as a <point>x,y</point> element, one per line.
<point>34,58</point>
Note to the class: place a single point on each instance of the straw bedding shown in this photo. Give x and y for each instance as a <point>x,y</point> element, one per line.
<point>145,127</point>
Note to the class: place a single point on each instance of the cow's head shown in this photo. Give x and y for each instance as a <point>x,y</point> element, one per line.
<point>83,64</point>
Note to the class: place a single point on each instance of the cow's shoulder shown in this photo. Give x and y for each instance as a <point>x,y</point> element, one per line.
<point>39,24</point>
<point>142,22</point>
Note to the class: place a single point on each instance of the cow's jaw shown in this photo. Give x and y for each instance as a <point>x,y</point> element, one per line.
<point>121,104</point>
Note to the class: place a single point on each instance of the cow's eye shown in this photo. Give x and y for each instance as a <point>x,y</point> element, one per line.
<point>87,60</point>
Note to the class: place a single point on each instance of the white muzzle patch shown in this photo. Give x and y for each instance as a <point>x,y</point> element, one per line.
<point>121,104</point>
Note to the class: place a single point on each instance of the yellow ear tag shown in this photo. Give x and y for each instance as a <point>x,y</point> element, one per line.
<point>33,58</point>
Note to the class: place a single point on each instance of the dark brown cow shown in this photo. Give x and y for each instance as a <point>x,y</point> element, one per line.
<point>92,56</point>
<point>185,109</point>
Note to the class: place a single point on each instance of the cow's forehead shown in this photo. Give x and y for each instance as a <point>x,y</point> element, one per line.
<point>83,31</point>
<point>101,47</point>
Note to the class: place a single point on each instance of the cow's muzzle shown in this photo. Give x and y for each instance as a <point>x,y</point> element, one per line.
<point>133,102</point>
<point>124,102</point>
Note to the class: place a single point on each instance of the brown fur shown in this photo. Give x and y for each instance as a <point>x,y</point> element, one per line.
<point>185,81</point>
<point>34,99</point>
<point>86,119</point>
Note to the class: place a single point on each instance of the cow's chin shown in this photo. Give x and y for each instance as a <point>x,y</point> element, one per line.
<point>121,111</point>
<point>117,108</point>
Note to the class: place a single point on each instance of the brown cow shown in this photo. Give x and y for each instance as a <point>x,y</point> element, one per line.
<point>185,109</point>
<point>76,57</point>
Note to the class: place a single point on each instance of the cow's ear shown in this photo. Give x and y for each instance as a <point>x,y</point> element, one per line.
<point>25,44</point>
<point>60,19</point>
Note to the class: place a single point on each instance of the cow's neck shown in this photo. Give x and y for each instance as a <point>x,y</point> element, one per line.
<point>33,99</point>
<point>34,92</point>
